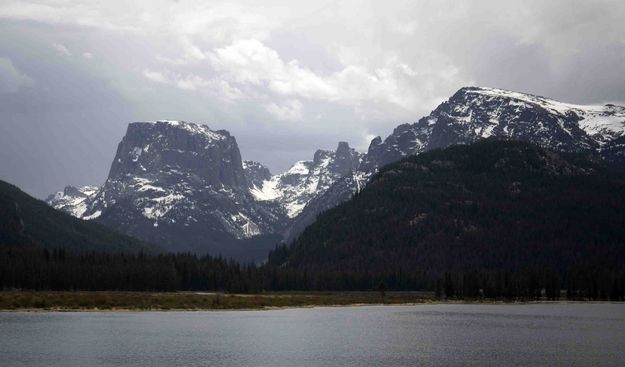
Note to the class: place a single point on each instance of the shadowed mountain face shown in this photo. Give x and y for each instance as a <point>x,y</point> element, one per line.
<point>26,221</point>
<point>493,205</point>
<point>185,187</point>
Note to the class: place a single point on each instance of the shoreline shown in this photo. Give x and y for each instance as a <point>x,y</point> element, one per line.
<point>109,301</point>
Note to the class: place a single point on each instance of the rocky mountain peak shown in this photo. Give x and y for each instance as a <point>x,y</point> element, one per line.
<point>475,113</point>
<point>73,191</point>
<point>306,180</point>
<point>321,154</point>
<point>167,148</point>
<point>343,149</point>
<point>346,159</point>
<point>183,186</point>
<point>72,199</point>
<point>256,173</point>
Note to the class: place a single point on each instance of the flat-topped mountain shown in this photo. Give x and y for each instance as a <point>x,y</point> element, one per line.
<point>183,186</point>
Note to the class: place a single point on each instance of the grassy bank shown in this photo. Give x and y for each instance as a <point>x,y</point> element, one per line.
<point>86,301</point>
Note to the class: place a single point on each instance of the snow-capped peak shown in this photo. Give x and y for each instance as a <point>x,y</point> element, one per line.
<point>593,119</point>
<point>305,180</point>
<point>199,129</point>
<point>475,113</point>
<point>72,200</point>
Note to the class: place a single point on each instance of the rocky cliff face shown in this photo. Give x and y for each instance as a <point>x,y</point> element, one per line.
<point>170,149</point>
<point>256,173</point>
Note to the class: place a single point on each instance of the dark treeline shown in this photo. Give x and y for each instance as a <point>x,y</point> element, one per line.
<point>34,268</point>
<point>41,269</point>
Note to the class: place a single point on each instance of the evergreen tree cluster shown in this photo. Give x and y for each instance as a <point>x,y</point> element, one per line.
<point>38,268</point>
<point>34,268</point>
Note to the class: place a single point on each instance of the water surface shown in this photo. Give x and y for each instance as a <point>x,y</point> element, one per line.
<point>423,335</point>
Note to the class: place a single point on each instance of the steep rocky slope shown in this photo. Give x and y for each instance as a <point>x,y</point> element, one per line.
<point>306,180</point>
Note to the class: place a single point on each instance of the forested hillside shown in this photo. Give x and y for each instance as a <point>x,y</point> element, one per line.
<point>493,212</point>
<point>26,221</point>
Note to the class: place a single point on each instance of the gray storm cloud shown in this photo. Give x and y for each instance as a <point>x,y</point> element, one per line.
<point>285,78</point>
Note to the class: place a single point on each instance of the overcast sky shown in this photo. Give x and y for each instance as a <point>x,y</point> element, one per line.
<point>284,77</point>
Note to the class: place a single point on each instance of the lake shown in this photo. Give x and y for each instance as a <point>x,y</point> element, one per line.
<point>424,335</point>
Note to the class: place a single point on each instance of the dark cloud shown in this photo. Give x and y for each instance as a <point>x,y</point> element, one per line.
<point>284,78</point>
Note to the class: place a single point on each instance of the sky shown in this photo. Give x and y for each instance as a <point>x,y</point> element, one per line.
<point>284,77</point>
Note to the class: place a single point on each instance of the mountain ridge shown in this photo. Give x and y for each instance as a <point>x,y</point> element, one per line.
<point>475,113</point>
<point>288,202</point>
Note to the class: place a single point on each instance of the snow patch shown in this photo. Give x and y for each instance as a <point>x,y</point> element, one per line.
<point>247,226</point>
<point>596,120</point>
<point>135,153</point>
<point>95,215</point>
<point>268,190</point>
<point>161,205</point>
<point>299,168</point>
